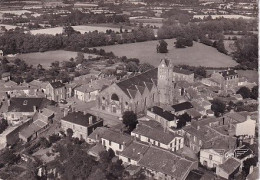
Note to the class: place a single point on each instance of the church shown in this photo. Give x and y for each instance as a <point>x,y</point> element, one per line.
<point>138,93</point>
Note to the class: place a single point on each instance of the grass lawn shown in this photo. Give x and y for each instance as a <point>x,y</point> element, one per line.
<point>251,75</point>
<point>82,29</point>
<point>198,55</point>
<point>46,58</point>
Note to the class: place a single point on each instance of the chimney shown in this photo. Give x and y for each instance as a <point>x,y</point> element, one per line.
<point>34,109</point>
<point>65,113</point>
<point>90,120</point>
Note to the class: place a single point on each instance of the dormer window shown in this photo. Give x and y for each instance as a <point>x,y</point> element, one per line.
<point>25,102</point>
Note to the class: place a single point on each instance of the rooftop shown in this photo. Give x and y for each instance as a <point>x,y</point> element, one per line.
<point>25,104</point>
<point>161,112</point>
<point>80,118</point>
<point>228,73</point>
<point>230,165</point>
<point>139,82</point>
<point>135,150</point>
<point>57,84</point>
<point>235,116</point>
<point>154,133</point>
<point>182,106</point>
<point>116,137</point>
<point>166,162</point>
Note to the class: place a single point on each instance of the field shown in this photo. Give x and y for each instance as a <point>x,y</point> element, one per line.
<point>81,29</point>
<point>46,58</point>
<point>225,16</point>
<point>8,27</point>
<point>251,75</point>
<point>198,55</point>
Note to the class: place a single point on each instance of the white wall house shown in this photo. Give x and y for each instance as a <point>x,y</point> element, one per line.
<point>211,158</point>
<point>115,141</point>
<point>158,138</point>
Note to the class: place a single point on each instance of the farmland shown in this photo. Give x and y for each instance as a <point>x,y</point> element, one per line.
<point>46,58</point>
<point>228,16</point>
<point>81,29</point>
<point>198,55</point>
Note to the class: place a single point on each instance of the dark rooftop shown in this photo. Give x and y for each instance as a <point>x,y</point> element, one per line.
<point>57,84</point>
<point>80,118</point>
<point>25,104</point>
<point>161,112</point>
<point>182,106</point>
<point>136,83</point>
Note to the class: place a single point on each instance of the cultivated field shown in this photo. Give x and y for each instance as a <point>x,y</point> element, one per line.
<point>81,29</point>
<point>8,27</point>
<point>228,16</point>
<point>198,55</point>
<point>46,58</point>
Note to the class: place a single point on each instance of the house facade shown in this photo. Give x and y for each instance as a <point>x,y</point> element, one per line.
<point>56,91</point>
<point>157,137</point>
<point>81,123</point>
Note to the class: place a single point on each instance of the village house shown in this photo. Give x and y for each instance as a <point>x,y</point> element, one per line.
<point>228,169</point>
<point>89,92</point>
<point>56,91</point>
<point>158,137</point>
<point>197,133</point>
<point>165,118</point>
<point>133,153</point>
<point>81,123</point>
<point>95,136</point>
<point>181,108</point>
<point>115,141</point>
<point>240,122</point>
<point>227,79</point>
<point>20,109</point>
<point>217,151</point>
<point>162,164</point>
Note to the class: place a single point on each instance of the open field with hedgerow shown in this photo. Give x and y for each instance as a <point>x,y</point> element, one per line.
<point>46,58</point>
<point>197,55</point>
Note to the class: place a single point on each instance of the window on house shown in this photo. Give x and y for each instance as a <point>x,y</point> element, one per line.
<point>179,141</point>
<point>109,143</point>
<point>171,145</point>
<point>120,146</point>
<point>129,160</point>
<point>210,157</point>
<point>159,144</point>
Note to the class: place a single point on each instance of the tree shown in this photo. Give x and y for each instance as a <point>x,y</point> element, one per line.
<point>70,132</point>
<point>162,47</point>
<point>130,120</point>
<point>244,92</point>
<point>145,67</point>
<point>218,107</point>
<point>254,93</point>
<point>183,119</point>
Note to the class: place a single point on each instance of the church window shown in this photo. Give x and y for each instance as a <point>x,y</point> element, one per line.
<point>115,97</point>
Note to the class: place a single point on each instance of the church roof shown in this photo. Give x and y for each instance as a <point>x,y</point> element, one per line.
<point>138,83</point>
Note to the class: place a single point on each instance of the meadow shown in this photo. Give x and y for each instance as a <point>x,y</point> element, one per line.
<point>197,55</point>
<point>46,58</point>
<point>228,16</point>
<point>82,29</point>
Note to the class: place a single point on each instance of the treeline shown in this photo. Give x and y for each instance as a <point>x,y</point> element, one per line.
<point>74,18</point>
<point>16,41</point>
